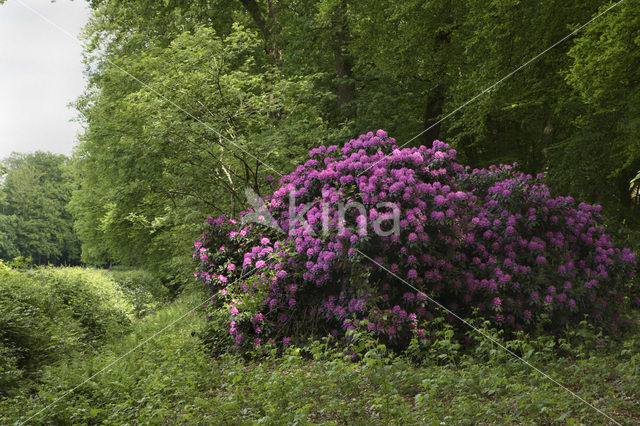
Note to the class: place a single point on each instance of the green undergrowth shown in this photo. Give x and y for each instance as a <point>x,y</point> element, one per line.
<point>50,315</point>
<point>162,372</point>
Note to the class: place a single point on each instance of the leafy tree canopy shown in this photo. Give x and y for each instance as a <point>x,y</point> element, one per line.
<point>232,86</point>
<point>34,218</point>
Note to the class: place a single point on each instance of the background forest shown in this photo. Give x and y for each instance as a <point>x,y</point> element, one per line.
<point>232,86</point>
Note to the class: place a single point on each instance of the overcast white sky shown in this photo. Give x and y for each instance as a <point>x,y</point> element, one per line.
<point>40,74</point>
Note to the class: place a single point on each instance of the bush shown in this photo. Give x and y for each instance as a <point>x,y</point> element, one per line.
<point>491,240</point>
<point>142,288</point>
<point>48,313</point>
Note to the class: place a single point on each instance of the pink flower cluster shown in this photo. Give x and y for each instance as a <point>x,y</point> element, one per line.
<point>492,240</point>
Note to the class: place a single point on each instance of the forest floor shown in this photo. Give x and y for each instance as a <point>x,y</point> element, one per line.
<point>160,372</point>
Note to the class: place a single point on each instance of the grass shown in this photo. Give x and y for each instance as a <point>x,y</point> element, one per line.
<point>173,379</point>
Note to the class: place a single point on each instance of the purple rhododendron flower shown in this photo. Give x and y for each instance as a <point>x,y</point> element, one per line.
<point>462,238</point>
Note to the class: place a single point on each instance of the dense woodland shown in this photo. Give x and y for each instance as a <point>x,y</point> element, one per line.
<point>191,102</point>
<point>34,217</point>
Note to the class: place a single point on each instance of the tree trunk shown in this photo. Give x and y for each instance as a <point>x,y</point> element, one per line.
<point>345,88</point>
<point>546,139</point>
<point>432,114</point>
<point>269,26</point>
<point>435,100</point>
<point>274,50</point>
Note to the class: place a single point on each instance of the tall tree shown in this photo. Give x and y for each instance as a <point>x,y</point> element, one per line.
<point>34,216</point>
<point>600,158</point>
<point>228,81</point>
<point>211,119</point>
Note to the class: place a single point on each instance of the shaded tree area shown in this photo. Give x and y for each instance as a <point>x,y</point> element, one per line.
<point>235,91</point>
<point>34,219</point>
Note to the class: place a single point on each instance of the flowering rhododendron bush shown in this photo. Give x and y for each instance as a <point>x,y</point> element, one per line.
<point>491,241</point>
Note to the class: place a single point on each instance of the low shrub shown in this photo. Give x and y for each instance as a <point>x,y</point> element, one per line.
<point>47,314</point>
<point>142,288</point>
<point>495,241</point>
